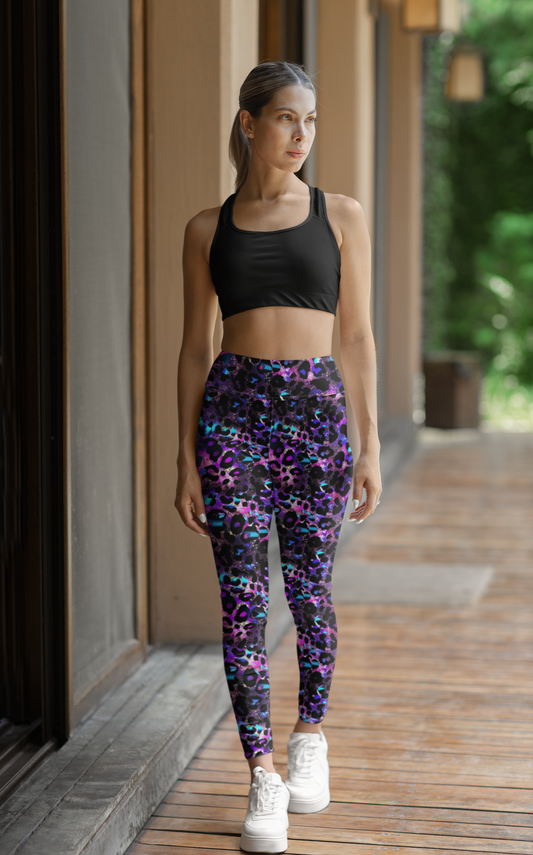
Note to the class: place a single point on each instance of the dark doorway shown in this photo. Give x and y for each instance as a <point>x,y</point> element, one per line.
<point>282,25</point>
<point>32,583</point>
<point>281,30</point>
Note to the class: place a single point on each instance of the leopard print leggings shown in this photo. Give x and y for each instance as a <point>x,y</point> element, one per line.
<point>272,438</point>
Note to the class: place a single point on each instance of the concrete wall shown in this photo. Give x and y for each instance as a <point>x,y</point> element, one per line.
<point>198,53</point>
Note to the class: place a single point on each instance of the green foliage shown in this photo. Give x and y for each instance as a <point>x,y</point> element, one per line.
<point>438,198</point>
<point>478,195</point>
<point>506,408</point>
<point>504,265</point>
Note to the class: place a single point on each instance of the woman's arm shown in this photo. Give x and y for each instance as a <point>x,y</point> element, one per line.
<point>195,360</point>
<point>358,352</point>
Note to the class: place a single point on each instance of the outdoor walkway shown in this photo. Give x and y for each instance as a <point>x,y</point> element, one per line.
<point>430,724</point>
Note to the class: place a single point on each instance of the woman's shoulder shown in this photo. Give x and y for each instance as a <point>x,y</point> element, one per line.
<point>203,221</point>
<point>201,228</point>
<point>346,217</point>
<point>343,207</point>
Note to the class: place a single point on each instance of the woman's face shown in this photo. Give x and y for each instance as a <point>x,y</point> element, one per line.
<point>283,134</point>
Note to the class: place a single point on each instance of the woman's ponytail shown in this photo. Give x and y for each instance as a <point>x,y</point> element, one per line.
<point>256,92</point>
<point>239,151</point>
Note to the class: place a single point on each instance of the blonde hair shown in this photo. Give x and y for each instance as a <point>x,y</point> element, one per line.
<point>255,93</point>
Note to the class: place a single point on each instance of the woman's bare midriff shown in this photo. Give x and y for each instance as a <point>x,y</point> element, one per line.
<point>279,332</point>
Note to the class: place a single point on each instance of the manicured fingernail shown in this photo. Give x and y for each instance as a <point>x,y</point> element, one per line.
<point>203,519</point>
<point>202,535</point>
<point>359,522</point>
<point>355,503</point>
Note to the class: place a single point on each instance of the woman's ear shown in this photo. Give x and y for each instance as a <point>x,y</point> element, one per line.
<point>246,123</point>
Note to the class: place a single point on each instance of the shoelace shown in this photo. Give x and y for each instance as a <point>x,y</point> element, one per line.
<point>303,756</point>
<point>266,794</point>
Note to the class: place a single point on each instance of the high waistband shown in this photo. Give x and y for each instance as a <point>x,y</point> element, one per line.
<point>234,373</point>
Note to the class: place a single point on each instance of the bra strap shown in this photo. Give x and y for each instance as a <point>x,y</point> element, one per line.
<point>319,204</point>
<point>224,218</point>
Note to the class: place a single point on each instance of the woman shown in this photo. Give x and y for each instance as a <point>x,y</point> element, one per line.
<point>263,427</point>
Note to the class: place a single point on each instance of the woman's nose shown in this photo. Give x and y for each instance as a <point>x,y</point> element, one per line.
<point>299,133</point>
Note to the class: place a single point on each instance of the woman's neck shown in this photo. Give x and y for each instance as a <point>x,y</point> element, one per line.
<point>269,184</point>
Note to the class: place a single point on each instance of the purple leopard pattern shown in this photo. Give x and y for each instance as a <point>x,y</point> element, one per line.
<point>272,437</point>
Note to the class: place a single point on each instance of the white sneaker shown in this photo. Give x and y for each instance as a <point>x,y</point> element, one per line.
<point>266,822</point>
<point>308,778</point>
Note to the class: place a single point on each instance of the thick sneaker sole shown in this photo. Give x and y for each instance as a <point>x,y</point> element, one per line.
<point>263,844</point>
<point>299,805</point>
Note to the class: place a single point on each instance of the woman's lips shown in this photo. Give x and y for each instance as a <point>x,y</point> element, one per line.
<point>296,154</point>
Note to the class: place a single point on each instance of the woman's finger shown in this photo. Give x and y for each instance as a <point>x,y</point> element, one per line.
<point>357,494</point>
<point>193,515</point>
<point>371,501</point>
<point>358,500</point>
<point>368,506</point>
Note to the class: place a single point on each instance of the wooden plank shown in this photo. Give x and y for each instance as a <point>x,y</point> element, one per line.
<point>468,733</point>
<point>298,847</point>
<point>362,740</point>
<point>467,708</point>
<point>411,702</point>
<point>407,721</point>
<point>178,798</point>
<point>360,716</point>
<point>473,798</point>
<point>515,769</point>
<point>156,843</point>
<point>239,772</point>
<point>339,809</point>
<point>381,824</point>
<point>218,842</point>
<point>344,835</point>
<point>411,690</point>
<point>473,678</point>
<point>147,849</point>
<point>200,825</point>
<point>359,777</point>
<point>215,789</point>
<point>391,683</point>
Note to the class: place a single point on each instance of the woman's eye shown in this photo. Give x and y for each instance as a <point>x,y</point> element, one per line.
<point>312,119</point>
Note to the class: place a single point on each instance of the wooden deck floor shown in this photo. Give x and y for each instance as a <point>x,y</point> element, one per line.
<point>430,721</point>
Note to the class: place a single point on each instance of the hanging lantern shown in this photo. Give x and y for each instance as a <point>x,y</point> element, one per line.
<point>466,78</point>
<point>431,16</point>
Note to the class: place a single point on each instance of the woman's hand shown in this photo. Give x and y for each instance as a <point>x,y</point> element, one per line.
<point>189,502</point>
<point>366,476</point>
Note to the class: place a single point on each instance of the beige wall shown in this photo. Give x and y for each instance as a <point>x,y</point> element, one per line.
<point>404,225</point>
<point>198,53</point>
<point>345,163</point>
<point>345,128</point>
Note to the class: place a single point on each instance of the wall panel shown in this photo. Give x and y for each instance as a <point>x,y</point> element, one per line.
<point>199,51</point>
<point>404,171</point>
<point>99,235</point>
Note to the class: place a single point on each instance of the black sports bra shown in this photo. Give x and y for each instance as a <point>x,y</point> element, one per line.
<point>298,266</point>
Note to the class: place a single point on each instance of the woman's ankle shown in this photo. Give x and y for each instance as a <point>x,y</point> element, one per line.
<point>307,727</point>
<point>266,761</point>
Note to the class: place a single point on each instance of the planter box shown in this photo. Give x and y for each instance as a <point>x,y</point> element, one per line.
<point>452,389</point>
